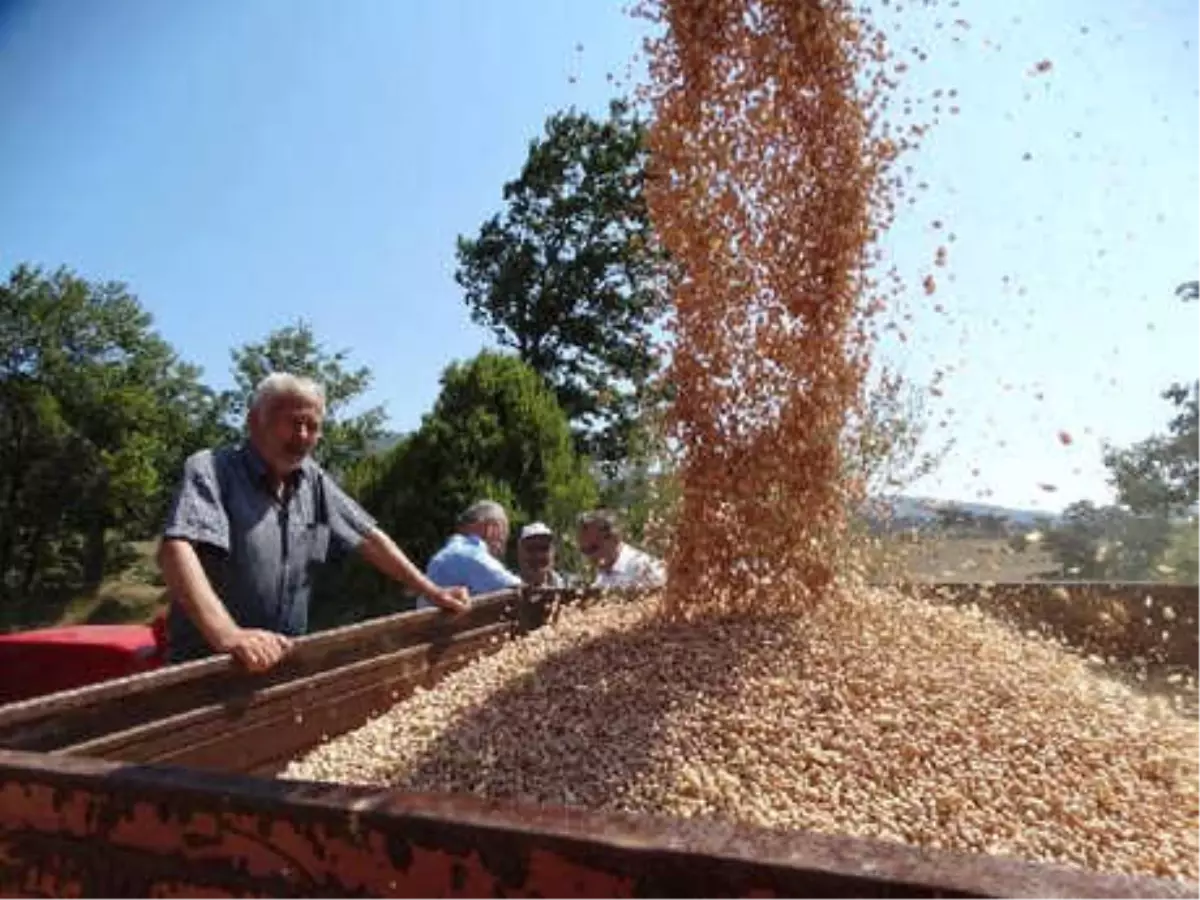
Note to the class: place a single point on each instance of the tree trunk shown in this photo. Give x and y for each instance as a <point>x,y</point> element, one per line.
<point>94,552</point>
<point>9,517</point>
<point>33,561</point>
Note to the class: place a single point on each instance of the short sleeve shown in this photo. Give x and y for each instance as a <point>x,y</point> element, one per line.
<point>478,572</point>
<point>493,576</point>
<point>349,523</point>
<point>196,513</point>
<point>655,573</point>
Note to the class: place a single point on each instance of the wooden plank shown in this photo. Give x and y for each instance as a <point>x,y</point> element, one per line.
<point>284,720</point>
<point>72,826</point>
<point>73,717</point>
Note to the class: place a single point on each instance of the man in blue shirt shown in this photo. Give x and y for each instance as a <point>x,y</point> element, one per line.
<point>470,559</point>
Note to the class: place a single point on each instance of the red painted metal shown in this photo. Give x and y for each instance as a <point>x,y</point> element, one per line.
<point>47,660</point>
<point>75,827</point>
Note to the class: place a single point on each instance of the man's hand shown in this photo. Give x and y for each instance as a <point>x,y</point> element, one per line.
<point>454,600</point>
<point>257,650</point>
<point>381,551</point>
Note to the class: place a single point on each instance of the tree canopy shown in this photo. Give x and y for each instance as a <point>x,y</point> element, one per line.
<point>568,275</point>
<point>1107,542</point>
<point>1151,532</point>
<point>1159,474</point>
<point>96,416</point>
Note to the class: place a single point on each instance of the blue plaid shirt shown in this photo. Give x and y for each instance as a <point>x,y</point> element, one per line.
<point>259,551</point>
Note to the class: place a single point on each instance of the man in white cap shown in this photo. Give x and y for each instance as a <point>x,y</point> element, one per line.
<point>535,557</point>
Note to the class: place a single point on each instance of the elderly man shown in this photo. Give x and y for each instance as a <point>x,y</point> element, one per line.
<point>471,558</point>
<point>535,557</point>
<point>617,563</point>
<point>249,524</point>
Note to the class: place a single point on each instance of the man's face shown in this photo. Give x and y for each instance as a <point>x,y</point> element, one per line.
<point>495,535</point>
<point>591,542</point>
<point>287,432</point>
<point>536,554</point>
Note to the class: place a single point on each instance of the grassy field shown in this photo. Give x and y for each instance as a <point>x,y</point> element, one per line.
<point>133,595</point>
<point>964,559</point>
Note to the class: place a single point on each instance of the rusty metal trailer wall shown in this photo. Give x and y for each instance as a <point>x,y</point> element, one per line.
<point>140,787</point>
<point>1156,623</point>
<point>78,827</point>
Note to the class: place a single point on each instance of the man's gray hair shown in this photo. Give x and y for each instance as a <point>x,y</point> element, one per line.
<point>483,511</point>
<point>603,520</point>
<point>284,384</point>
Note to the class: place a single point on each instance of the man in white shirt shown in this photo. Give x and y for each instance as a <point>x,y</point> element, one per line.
<point>618,564</point>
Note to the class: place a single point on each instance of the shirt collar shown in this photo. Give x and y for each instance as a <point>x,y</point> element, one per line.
<point>620,559</point>
<point>259,469</point>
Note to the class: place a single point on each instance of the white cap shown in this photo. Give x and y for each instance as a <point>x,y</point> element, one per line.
<point>536,529</point>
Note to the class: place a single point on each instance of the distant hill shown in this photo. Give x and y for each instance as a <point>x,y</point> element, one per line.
<point>384,443</point>
<point>921,511</point>
<point>896,512</point>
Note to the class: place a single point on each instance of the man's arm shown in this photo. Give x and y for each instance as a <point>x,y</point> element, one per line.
<point>355,529</point>
<point>190,587</point>
<point>197,516</point>
<point>493,575</point>
<point>381,552</point>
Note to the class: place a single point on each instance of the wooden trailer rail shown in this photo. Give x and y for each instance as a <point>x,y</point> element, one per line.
<point>1150,623</point>
<point>211,714</point>
<point>155,784</point>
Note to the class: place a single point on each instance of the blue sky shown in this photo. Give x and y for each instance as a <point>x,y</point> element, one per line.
<point>1093,232</point>
<point>244,164</point>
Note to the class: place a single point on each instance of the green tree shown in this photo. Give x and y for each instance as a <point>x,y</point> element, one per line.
<point>1151,532</point>
<point>569,276</point>
<point>885,438</point>
<point>96,415</point>
<point>496,432</point>
<point>1159,474</point>
<point>295,349</point>
<point>1107,542</point>
<point>1181,559</point>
